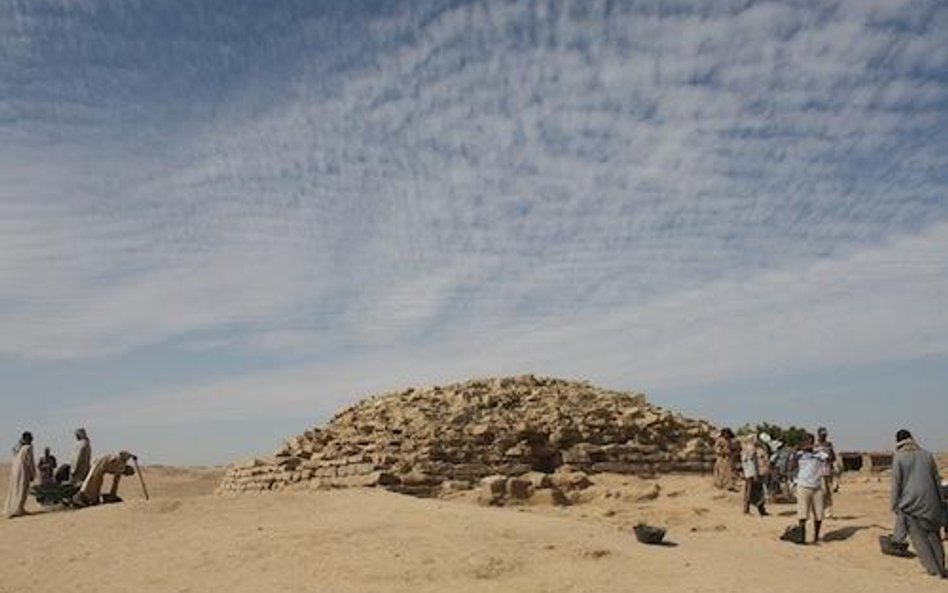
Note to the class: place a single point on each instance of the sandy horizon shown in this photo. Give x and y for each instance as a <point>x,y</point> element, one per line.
<point>188,540</point>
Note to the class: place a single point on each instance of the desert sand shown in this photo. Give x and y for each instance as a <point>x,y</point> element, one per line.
<point>188,540</point>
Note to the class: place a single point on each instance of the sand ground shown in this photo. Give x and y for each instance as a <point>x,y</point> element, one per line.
<point>188,540</point>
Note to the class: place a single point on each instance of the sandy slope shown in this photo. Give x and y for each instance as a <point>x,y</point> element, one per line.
<point>186,540</point>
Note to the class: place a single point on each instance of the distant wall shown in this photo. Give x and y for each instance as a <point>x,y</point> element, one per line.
<point>874,461</point>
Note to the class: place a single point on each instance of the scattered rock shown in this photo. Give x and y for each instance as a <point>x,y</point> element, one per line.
<point>706,528</point>
<point>650,493</point>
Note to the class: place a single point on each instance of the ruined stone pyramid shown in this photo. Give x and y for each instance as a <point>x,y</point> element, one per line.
<point>422,440</point>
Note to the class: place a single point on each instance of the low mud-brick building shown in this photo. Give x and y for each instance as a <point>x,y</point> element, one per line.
<point>420,440</point>
<point>873,461</point>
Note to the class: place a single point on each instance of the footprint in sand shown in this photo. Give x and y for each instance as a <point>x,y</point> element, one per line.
<point>492,568</point>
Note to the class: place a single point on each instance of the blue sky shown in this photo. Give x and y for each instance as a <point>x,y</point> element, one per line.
<point>220,221</point>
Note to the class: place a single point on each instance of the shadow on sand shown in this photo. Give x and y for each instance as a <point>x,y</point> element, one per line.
<point>844,533</point>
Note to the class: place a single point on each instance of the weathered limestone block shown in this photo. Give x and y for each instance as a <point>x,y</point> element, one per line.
<point>290,462</point>
<point>470,471</point>
<point>419,478</point>
<point>583,453</point>
<point>492,490</point>
<point>621,467</point>
<point>570,480</point>
<point>515,468</point>
<point>519,488</point>
<point>539,480</point>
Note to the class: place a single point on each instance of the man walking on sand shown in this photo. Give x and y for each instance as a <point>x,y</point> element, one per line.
<point>809,486</point>
<point>917,503</point>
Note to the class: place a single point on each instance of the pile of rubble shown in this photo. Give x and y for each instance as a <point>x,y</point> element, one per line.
<point>438,439</point>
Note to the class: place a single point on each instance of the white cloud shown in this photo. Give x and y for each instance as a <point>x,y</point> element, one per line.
<point>523,180</point>
<point>881,304</point>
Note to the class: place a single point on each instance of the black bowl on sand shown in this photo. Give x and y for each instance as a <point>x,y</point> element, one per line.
<point>890,547</point>
<point>648,534</point>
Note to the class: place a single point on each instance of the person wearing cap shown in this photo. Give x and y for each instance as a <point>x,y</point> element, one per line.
<point>809,486</point>
<point>22,474</point>
<point>916,501</point>
<point>824,445</point>
<point>90,493</point>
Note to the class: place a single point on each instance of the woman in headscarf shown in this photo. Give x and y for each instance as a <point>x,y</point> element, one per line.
<point>724,460</point>
<point>22,473</point>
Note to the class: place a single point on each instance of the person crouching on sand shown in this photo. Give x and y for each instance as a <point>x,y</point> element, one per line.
<point>809,486</point>
<point>90,493</point>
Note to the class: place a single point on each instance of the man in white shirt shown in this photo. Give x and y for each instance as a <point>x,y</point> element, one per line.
<point>809,486</point>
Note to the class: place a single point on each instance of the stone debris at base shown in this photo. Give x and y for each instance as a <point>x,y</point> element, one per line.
<point>430,441</point>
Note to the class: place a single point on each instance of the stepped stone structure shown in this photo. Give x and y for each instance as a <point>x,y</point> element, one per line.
<point>436,439</point>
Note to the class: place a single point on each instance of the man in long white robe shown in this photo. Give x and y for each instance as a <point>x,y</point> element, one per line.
<point>91,489</point>
<point>22,473</point>
<point>83,457</point>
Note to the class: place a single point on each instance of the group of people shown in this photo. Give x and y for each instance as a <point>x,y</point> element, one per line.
<point>84,473</point>
<point>767,467</point>
<point>919,497</point>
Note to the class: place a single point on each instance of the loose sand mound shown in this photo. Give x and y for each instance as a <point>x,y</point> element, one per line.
<point>417,440</point>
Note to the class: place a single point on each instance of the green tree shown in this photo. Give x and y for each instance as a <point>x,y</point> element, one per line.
<point>791,435</point>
